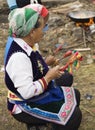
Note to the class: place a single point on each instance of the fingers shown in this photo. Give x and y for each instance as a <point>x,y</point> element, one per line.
<point>56,62</point>
<point>53,73</point>
<point>59,73</point>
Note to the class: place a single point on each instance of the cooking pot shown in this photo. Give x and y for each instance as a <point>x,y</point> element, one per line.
<point>82,16</point>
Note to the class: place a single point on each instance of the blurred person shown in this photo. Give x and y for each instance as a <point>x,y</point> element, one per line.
<point>21,3</point>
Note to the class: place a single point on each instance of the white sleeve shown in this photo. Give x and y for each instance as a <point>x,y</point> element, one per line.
<point>19,69</point>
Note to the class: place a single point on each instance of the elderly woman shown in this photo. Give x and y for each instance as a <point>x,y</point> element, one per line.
<point>13,4</point>
<point>33,95</point>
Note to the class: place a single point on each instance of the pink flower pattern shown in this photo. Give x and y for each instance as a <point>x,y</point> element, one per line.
<point>63,114</point>
<point>69,104</point>
<point>67,89</point>
<point>69,96</point>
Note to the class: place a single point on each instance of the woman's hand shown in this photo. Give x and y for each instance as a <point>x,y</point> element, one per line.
<point>53,73</point>
<point>51,60</point>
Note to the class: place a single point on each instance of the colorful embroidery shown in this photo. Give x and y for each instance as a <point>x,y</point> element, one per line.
<point>40,66</point>
<point>69,105</point>
<point>62,116</point>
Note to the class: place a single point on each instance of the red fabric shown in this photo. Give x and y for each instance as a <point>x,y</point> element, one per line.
<point>44,82</point>
<point>93,1</point>
<point>44,12</point>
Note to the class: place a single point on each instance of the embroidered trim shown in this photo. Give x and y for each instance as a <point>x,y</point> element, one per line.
<point>44,83</point>
<point>12,96</point>
<point>62,116</point>
<point>14,108</point>
<point>69,106</point>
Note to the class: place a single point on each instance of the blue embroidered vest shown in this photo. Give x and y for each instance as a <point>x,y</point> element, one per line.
<point>51,94</point>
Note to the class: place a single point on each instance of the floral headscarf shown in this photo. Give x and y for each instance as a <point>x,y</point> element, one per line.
<point>41,9</point>
<point>22,20</point>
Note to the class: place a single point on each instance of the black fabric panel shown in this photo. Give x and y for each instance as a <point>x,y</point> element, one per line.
<point>65,80</point>
<point>72,124</point>
<point>21,3</point>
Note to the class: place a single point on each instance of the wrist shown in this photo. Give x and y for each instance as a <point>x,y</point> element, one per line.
<point>48,79</point>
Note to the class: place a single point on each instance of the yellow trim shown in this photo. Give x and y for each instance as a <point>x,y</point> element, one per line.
<point>35,47</point>
<point>12,96</point>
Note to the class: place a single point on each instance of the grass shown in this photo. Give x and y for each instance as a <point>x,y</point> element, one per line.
<point>85,80</point>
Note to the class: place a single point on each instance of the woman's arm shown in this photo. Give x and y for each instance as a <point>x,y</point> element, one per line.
<point>19,69</point>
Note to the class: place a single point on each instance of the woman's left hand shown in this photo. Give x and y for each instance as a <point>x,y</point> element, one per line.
<point>51,60</point>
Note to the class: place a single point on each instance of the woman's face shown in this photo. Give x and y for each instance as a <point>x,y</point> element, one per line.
<point>37,33</point>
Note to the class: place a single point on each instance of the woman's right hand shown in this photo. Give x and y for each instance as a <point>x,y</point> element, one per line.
<point>53,73</point>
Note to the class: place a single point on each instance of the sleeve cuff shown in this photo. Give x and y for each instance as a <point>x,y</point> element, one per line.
<point>43,83</point>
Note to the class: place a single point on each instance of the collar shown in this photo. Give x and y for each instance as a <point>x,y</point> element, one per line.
<point>24,46</point>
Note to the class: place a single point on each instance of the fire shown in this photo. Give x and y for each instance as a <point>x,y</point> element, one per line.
<point>91,21</point>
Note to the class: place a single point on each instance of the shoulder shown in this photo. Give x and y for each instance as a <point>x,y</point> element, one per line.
<point>17,56</point>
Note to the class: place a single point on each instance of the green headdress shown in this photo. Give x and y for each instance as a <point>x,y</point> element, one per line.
<point>21,21</point>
